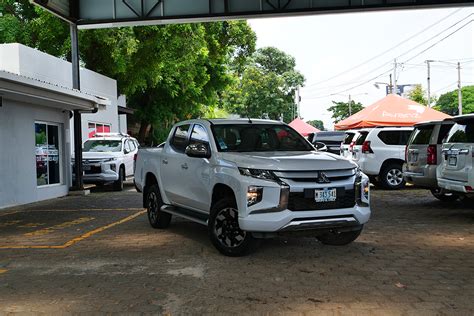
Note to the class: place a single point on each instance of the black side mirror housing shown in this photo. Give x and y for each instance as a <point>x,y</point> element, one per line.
<point>320,146</point>
<point>198,151</point>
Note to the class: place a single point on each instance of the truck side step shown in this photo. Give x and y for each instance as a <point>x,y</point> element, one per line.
<point>186,213</point>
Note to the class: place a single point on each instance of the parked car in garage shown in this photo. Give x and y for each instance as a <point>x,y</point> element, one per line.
<point>332,140</point>
<point>347,143</point>
<point>423,156</point>
<point>380,153</point>
<point>456,173</point>
<point>109,158</point>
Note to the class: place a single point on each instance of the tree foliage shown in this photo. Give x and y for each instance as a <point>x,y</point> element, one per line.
<point>317,123</point>
<point>340,110</point>
<point>418,95</point>
<point>448,102</point>
<point>266,86</point>
<point>168,72</point>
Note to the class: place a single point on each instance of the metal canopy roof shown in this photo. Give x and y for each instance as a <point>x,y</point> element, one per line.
<point>114,13</point>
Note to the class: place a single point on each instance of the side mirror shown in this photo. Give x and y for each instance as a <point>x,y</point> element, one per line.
<point>126,151</point>
<point>198,151</point>
<point>320,146</point>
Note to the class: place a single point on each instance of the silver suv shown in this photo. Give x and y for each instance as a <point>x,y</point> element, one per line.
<point>455,172</point>
<point>423,155</point>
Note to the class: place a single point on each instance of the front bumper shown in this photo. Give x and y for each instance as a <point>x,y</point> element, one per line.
<point>99,173</point>
<point>302,213</point>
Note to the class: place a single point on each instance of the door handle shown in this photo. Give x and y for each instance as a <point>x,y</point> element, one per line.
<point>165,161</point>
<point>184,166</point>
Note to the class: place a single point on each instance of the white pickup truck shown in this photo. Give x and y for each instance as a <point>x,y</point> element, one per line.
<point>249,179</point>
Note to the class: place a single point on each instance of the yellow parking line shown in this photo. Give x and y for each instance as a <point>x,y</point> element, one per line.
<point>80,238</point>
<point>48,230</point>
<point>3,271</point>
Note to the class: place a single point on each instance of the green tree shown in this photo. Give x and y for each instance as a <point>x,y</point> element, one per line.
<point>266,87</point>
<point>418,95</point>
<point>340,110</point>
<point>317,123</point>
<point>448,102</point>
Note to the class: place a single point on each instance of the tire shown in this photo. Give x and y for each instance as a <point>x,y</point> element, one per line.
<point>339,238</point>
<point>118,185</point>
<point>445,196</point>
<point>373,180</point>
<point>224,230</point>
<point>154,202</point>
<point>391,177</point>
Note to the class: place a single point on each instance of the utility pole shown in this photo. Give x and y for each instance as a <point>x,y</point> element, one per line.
<point>429,82</point>
<point>350,105</point>
<point>394,87</point>
<point>391,85</point>
<point>459,89</point>
<point>298,101</point>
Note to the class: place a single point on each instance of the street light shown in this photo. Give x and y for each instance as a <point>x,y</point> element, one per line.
<point>350,99</point>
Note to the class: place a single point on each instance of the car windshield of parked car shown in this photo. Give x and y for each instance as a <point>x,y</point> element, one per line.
<point>462,133</point>
<point>258,138</point>
<point>103,145</point>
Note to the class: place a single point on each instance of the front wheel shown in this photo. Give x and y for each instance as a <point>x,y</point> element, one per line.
<point>339,238</point>
<point>444,196</point>
<point>224,230</point>
<point>391,177</point>
<point>118,184</point>
<point>154,202</point>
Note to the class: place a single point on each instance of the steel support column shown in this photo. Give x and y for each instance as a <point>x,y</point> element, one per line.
<point>76,84</point>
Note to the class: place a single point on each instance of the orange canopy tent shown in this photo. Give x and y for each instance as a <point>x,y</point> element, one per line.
<point>302,127</point>
<point>393,110</point>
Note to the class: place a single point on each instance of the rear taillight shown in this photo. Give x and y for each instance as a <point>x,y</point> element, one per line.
<point>432,155</point>
<point>366,148</point>
<point>468,188</point>
<point>351,146</point>
<point>135,157</point>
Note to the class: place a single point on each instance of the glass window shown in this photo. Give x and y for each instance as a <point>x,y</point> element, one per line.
<point>443,132</point>
<point>102,145</point>
<point>421,135</point>
<point>361,138</point>
<point>348,138</point>
<point>94,128</point>
<point>462,133</point>
<point>395,137</point>
<point>199,135</point>
<point>258,138</point>
<point>180,138</point>
<point>131,143</point>
<point>47,151</point>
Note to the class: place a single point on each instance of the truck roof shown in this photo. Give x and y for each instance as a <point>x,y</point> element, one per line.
<point>232,121</point>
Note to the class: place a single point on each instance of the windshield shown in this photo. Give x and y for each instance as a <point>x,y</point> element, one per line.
<point>258,137</point>
<point>102,145</point>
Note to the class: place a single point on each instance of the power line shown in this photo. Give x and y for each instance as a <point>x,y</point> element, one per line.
<point>388,50</point>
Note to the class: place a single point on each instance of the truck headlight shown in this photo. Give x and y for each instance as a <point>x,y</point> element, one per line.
<point>258,174</point>
<point>254,195</point>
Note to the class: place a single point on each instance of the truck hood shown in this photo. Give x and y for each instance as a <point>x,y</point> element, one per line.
<point>289,160</point>
<point>100,155</point>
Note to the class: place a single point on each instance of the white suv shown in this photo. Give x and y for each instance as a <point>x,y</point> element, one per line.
<point>455,173</point>
<point>109,158</point>
<point>380,153</point>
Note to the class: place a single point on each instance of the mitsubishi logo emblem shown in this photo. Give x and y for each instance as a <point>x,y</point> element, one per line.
<point>323,178</point>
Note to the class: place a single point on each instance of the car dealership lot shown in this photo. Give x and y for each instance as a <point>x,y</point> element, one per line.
<point>415,256</point>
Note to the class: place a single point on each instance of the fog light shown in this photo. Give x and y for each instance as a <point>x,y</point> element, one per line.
<point>113,167</point>
<point>254,195</point>
<point>366,188</point>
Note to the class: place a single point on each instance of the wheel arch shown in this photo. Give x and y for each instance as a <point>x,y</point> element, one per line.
<point>220,191</point>
<point>391,161</point>
<point>150,179</point>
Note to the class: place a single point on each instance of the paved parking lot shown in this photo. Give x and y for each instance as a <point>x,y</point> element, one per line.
<point>98,253</point>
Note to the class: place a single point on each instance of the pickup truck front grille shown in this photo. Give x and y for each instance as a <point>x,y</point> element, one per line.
<point>94,170</point>
<point>298,202</point>
<point>312,176</point>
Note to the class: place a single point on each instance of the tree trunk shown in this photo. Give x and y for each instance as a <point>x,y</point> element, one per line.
<point>142,132</point>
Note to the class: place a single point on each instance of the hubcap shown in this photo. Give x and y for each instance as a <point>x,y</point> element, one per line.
<point>226,228</point>
<point>152,206</point>
<point>395,177</point>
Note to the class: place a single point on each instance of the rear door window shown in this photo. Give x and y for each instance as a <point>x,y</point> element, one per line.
<point>443,132</point>
<point>394,137</point>
<point>361,138</point>
<point>421,135</point>
<point>180,138</point>
<point>462,133</point>
<point>348,139</point>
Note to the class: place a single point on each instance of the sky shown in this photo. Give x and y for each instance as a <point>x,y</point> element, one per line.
<point>327,48</point>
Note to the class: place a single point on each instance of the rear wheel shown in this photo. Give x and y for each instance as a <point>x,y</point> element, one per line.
<point>391,177</point>
<point>224,230</point>
<point>154,202</point>
<point>339,238</point>
<point>444,196</point>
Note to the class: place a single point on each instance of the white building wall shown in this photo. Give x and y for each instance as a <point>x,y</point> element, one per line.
<point>17,153</point>
<point>29,62</point>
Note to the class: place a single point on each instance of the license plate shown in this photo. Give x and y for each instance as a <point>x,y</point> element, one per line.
<point>325,195</point>
<point>86,167</point>
<point>452,160</point>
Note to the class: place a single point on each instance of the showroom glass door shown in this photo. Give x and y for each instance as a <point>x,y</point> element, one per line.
<point>48,154</point>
